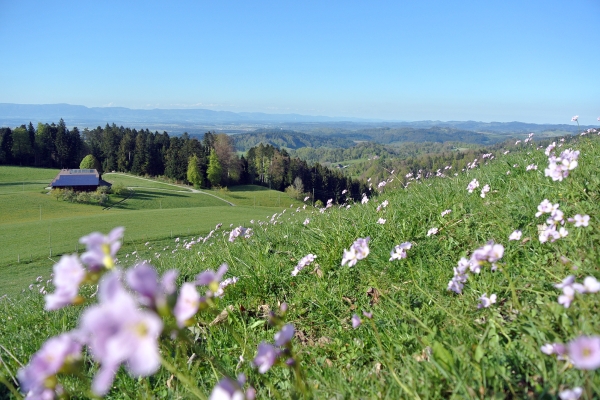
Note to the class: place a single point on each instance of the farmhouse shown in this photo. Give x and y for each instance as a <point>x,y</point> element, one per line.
<point>79,180</point>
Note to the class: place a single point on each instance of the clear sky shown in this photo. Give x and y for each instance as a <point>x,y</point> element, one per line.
<point>485,60</point>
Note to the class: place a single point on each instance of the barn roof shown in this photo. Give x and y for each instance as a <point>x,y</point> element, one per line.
<point>78,177</point>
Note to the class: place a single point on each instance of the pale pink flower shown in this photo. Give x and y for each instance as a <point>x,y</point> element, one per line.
<point>575,118</point>
<point>432,231</point>
<point>485,302</point>
<point>399,252</point>
<point>68,275</point>
<point>516,235</point>
<point>570,394</point>
<point>584,352</point>
<point>187,304</point>
<point>446,212</point>
<point>581,220</point>
<point>381,221</point>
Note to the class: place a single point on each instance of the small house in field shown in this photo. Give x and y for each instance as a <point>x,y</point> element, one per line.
<point>78,180</point>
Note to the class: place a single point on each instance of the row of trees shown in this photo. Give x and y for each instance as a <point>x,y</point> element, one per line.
<point>209,162</point>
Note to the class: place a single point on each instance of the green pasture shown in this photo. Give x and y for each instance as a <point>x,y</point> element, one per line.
<point>36,240</point>
<point>135,181</point>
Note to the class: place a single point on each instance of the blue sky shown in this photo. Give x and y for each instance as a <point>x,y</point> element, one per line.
<point>532,61</point>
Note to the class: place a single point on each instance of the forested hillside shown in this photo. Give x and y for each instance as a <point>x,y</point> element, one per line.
<point>288,139</point>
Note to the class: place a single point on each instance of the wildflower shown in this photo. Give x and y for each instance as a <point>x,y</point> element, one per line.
<point>516,235</point>
<point>531,167</point>
<point>584,352</point>
<point>211,278</point>
<point>485,302</point>
<point>46,362</point>
<point>304,261</point>
<point>365,199</point>
<point>570,394</point>
<point>432,231</point>
<point>236,232</point>
<point>581,220</point>
<point>284,336</point>
<point>474,184</point>
<point>399,251</point>
<point>306,221</point>
<point>356,321</point>
<point>266,357</point>
<point>545,207</point>
<point>575,118</point>
<point>381,221</point>
<point>68,275</point>
<point>228,389</point>
<point>567,297</point>
<point>101,249</point>
<point>590,285</point>
<point>553,348</point>
<point>143,279</point>
<point>117,332</point>
<point>344,191</point>
<point>358,251</point>
<point>446,212</point>
<point>229,281</point>
<point>485,190</point>
<point>187,304</point>
<point>385,203</point>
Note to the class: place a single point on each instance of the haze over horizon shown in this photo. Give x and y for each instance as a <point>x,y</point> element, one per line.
<point>494,61</point>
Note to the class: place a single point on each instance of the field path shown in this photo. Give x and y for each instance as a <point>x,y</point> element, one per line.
<point>169,184</point>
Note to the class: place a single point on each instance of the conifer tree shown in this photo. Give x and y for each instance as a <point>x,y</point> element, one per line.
<point>214,169</point>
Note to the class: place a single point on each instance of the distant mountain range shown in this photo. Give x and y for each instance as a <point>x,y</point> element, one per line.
<point>198,121</point>
<point>73,115</point>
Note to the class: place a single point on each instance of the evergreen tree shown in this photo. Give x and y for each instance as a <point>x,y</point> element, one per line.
<point>6,144</point>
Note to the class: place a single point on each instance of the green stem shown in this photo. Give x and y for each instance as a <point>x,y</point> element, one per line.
<point>184,379</point>
<point>389,364</point>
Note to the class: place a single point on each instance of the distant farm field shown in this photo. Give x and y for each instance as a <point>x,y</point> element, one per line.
<point>35,226</point>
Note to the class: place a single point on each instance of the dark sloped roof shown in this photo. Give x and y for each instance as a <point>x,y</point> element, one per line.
<point>76,177</point>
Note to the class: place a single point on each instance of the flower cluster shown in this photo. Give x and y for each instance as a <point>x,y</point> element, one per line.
<point>240,231</point>
<point>570,287</point>
<point>399,252</point>
<point>304,261</point>
<point>474,184</point>
<point>559,167</point>
<point>490,253</point>
<point>583,352</point>
<point>484,191</point>
<point>358,251</point>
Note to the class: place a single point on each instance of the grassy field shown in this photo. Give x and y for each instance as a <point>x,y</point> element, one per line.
<point>423,341</point>
<point>34,224</point>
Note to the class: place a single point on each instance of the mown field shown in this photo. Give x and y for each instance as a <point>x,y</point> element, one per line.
<point>35,226</point>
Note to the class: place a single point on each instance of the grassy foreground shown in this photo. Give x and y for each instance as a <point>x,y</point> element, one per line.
<point>423,340</point>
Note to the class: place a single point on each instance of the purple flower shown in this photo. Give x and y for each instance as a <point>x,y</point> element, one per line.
<point>266,356</point>
<point>68,275</point>
<point>187,304</point>
<point>474,184</point>
<point>101,249</point>
<point>485,190</point>
<point>239,231</point>
<point>571,394</point>
<point>228,389</point>
<point>581,220</point>
<point>567,297</point>
<point>399,252</point>
<point>584,352</point>
<point>229,281</point>
<point>356,321</point>
<point>117,332</point>
<point>358,251</point>
<point>211,278</point>
<point>446,212</point>
<point>485,302</point>
<point>143,278</point>
<point>304,261</point>
<point>47,361</point>
<point>284,335</point>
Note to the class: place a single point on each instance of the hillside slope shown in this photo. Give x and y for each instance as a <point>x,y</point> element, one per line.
<point>423,341</point>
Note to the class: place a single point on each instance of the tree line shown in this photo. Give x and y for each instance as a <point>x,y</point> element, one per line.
<point>210,162</point>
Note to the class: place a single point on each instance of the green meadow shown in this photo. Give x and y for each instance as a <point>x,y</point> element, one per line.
<point>36,228</point>
<point>423,340</point>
